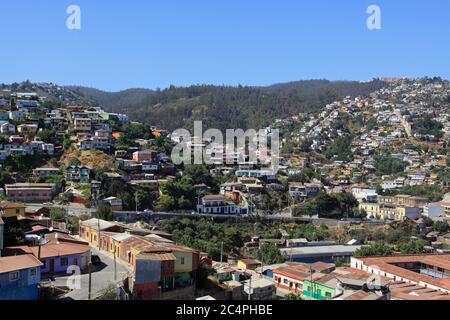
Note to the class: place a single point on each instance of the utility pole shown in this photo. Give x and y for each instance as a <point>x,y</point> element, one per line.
<point>136,201</point>
<point>115,264</point>
<point>39,249</point>
<point>312,284</point>
<point>98,225</point>
<point>250,289</point>
<point>221,252</point>
<point>90,281</point>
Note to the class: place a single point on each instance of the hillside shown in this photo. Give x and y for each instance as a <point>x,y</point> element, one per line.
<point>93,159</point>
<point>114,101</point>
<point>219,107</point>
<point>225,107</point>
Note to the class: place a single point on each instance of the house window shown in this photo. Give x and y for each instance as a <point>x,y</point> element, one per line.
<point>14,276</point>
<point>64,262</point>
<point>328,294</point>
<point>182,260</point>
<point>75,262</point>
<point>33,272</point>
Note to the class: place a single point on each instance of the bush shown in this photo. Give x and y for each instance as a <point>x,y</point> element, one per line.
<point>378,249</point>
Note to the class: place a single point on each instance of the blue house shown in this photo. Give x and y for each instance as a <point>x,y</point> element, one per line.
<point>27,104</point>
<point>19,277</point>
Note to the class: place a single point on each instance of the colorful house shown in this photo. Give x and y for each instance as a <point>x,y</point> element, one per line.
<point>31,192</point>
<point>248,264</point>
<point>91,229</point>
<point>320,287</point>
<point>59,253</point>
<point>173,267</point>
<point>11,209</point>
<point>19,277</point>
<point>78,174</point>
<point>291,277</point>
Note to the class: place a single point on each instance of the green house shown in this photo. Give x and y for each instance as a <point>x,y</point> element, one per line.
<point>320,288</point>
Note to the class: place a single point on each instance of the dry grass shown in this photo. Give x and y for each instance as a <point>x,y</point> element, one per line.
<point>93,159</point>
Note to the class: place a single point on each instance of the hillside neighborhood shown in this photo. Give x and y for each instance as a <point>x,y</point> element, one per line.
<point>357,208</point>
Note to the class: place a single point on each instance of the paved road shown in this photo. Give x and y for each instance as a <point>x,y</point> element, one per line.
<point>101,279</point>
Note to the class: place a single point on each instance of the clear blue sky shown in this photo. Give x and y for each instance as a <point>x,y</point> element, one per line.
<point>155,43</point>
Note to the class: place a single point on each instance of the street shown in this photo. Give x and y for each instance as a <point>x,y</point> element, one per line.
<point>101,278</point>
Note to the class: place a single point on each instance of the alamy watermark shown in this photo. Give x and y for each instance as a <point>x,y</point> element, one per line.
<point>73,22</point>
<point>73,282</point>
<point>211,148</point>
<point>374,20</point>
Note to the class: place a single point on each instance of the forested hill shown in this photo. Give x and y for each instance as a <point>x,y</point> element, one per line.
<point>225,107</point>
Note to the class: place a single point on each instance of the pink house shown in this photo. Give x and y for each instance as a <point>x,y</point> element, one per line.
<point>145,155</point>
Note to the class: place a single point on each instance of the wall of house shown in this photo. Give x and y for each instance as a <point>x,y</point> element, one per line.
<point>317,291</point>
<point>30,195</point>
<point>147,291</point>
<point>58,268</point>
<point>184,262</point>
<point>288,283</point>
<point>25,288</point>
<point>13,212</point>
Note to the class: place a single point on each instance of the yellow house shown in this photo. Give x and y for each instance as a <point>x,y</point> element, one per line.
<point>248,264</point>
<point>11,209</point>
<point>372,209</point>
<point>387,213</point>
<point>89,230</point>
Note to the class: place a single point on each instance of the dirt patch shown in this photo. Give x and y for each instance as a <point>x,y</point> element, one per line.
<point>94,159</point>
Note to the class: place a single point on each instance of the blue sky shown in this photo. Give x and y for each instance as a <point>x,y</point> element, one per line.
<point>155,43</point>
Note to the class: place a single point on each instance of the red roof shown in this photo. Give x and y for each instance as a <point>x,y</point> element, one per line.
<point>292,273</point>
<point>53,250</point>
<point>387,264</point>
<point>15,263</point>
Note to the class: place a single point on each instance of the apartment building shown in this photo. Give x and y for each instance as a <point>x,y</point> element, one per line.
<point>30,192</point>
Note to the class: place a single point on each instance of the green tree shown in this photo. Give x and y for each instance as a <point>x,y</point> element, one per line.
<point>441,226</point>
<point>269,253</point>
<point>146,196</point>
<point>386,165</point>
<point>413,247</point>
<point>46,135</point>
<point>13,236</point>
<point>165,203</point>
<point>347,202</point>
<point>377,249</point>
<point>57,214</point>
<point>104,212</point>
